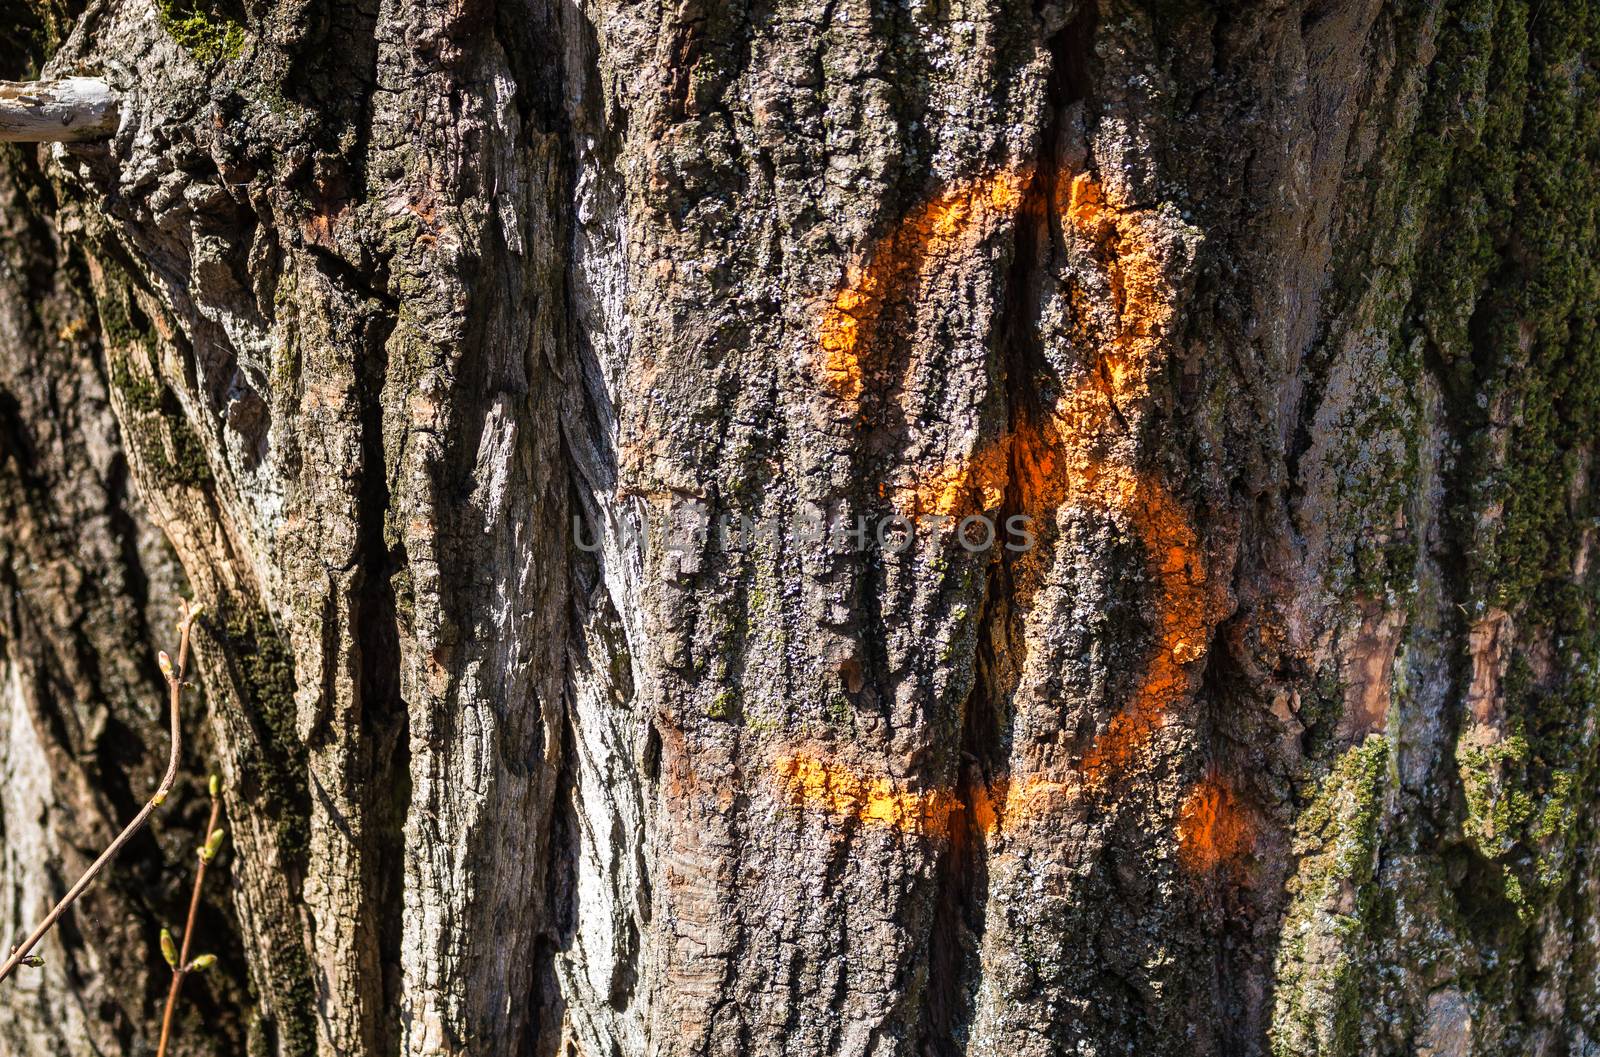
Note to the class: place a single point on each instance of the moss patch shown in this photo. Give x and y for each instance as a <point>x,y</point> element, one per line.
<point>265,678</point>
<point>1332,906</point>
<point>1475,277</point>
<point>273,778</point>
<point>205,31</point>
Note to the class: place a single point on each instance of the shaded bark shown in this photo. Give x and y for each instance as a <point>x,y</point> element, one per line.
<point>1273,324</point>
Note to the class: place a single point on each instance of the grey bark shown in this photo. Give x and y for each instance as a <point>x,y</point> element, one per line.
<point>1276,320</point>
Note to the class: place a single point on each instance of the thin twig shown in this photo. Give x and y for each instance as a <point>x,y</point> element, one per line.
<point>181,967</point>
<point>175,688</point>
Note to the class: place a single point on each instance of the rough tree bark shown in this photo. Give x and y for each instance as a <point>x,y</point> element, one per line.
<point>1276,319</point>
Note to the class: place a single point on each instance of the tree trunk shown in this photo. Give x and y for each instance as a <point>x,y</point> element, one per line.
<point>422,341</point>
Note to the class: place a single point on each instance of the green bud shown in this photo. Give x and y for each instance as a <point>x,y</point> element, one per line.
<point>33,961</point>
<point>166,664</point>
<point>169,949</point>
<point>213,845</point>
<point>159,799</point>
<point>216,787</point>
<point>202,963</point>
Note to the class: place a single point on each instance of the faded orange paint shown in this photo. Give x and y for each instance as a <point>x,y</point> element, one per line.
<point>840,792</point>
<point>1216,828</point>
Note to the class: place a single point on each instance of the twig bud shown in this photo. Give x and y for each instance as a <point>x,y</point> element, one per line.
<point>166,665</point>
<point>33,961</point>
<point>202,963</point>
<point>215,786</point>
<point>169,949</point>
<point>213,845</point>
<point>195,609</point>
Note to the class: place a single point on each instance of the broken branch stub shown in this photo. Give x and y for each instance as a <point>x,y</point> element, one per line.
<point>65,110</point>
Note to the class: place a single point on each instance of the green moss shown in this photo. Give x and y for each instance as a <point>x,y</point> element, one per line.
<point>116,318</point>
<point>1507,299</point>
<point>762,725</point>
<point>723,706</point>
<point>154,420</point>
<point>209,35</point>
<point>1333,906</point>
<point>1477,282</point>
<point>272,778</point>
<point>183,461</point>
<point>293,1032</point>
<point>1507,307</point>
<point>140,393</point>
<point>156,426</point>
<point>1552,829</point>
<point>264,674</point>
<point>1523,793</point>
<point>1495,813</point>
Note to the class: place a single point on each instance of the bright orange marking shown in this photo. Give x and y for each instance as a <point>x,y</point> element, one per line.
<point>1172,557</point>
<point>931,231</point>
<point>1017,799</point>
<point>1055,462</point>
<point>1215,827</point>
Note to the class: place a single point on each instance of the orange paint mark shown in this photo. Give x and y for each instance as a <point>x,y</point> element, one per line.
<point>1053,461</point>
<point>1173,562</point>
<point>932,231</point>
<point>840,792</point>
<point>1049,478</point>
<point>1133,265</point>
<point>1018,799</point>
<point>1215,827</point>
<point>967,488</point>
<point>1056,463</point>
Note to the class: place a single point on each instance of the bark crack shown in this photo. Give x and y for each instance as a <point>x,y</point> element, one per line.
<point>963,880</point>
<point>383,712</point>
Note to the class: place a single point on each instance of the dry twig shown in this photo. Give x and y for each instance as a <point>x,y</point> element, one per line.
<point>174,674</point>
